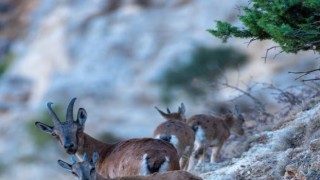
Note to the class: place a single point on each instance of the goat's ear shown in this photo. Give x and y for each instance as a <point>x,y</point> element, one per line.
<point>82,116</point>
<point>73,159</point>
<point>182,109</point>
<point>95,157</point>
<point>65,165</point>
<point>43,127</point>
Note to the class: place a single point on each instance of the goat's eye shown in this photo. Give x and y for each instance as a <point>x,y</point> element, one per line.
<point>54,134</point>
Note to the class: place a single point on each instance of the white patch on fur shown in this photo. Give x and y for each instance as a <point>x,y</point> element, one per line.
<point>165,165</point>
<point>200,136</point>
<point>174,141</point>
<point>144,166</point>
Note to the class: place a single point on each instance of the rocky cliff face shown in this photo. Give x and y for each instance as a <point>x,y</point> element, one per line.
<point>110,55</point>
<point>289,151</point>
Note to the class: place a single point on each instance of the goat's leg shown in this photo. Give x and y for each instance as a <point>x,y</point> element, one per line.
<point>215,154</point>
<point>196,156</point>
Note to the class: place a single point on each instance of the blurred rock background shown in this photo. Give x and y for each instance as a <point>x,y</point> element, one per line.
<point>120,58</point>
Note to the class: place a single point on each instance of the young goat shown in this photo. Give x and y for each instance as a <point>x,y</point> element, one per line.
<point>212,131</point>
<point>177,132</point>
<point>131,157</point>
<point>85,170</point>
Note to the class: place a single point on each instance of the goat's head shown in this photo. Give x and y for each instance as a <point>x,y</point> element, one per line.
<point>180,115</point>
<point>84,170</point>
<point>68,132</point>
<point>235,120</point>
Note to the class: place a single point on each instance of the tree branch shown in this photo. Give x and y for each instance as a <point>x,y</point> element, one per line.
<point>260,105</point>
<point>267,52</point>
<point>251,40</point>
<point>304,73</point>
<point>314,79</point>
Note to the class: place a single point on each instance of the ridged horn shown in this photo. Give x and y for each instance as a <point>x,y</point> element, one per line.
<point>69,116</point>
<point>53,115</point>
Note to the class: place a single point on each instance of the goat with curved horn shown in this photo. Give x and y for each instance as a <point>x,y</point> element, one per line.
<point>131,157</point>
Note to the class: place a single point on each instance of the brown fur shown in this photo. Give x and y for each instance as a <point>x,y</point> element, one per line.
<point>131,157</point>
<point>86,170</point>
<point>125,158</point>
<point>170,175</point>
<point>216,131</point>
<point>175,126</point>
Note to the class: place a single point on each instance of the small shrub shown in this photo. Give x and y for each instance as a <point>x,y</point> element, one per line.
<point>6,62</point>
<point>28,159</point>
<point>205,66</point>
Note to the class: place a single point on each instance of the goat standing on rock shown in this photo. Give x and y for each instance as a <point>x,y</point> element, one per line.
<point>213,131</point>
<point>126,158</point>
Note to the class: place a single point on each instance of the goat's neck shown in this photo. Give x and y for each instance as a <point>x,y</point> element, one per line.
<point>89,145</point>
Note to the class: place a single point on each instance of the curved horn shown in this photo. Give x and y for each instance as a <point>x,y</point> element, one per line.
<point>53,115</point>
<point>69,116</point>
<point>161,112</point>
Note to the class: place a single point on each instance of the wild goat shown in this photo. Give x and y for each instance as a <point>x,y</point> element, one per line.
<point>131,157</point>
<point>177,132</point>
<point>212,131</point>
<point>85,170</point>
